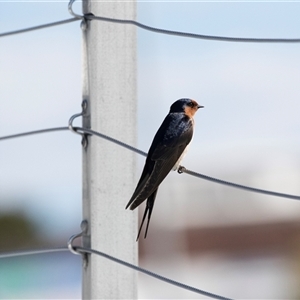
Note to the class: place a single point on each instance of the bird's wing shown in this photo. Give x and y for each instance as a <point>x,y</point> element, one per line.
<point>142,182</point>
<point>171,139</point>
<point>165,155</point>
<point>160,171</point>
<point>175,146</point>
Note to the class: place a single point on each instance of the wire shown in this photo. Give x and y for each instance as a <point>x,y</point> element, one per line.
<point>32,132</point>
<point>157,30</point>
<point>192,35</point>
<point>243,187</point>
<point>32,252</point>
<point>149,273</point>
<point>83,250</point>
<point>184,170</point>
<point>131,148</point>
<point>38,27</point>
<point>108,138</point>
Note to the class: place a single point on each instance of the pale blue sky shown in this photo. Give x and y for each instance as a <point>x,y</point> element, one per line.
<point>250,124</point>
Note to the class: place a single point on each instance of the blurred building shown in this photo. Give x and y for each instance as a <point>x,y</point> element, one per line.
<point>230,242</point>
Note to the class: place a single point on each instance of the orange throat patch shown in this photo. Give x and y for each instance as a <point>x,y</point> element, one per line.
<point>190,111</point>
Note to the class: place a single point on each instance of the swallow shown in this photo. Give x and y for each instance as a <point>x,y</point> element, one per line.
<point>166,151</point>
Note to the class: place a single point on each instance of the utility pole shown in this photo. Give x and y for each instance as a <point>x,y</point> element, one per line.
<point>109,86</point>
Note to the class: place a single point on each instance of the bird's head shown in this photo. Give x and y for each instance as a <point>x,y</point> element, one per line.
<point>185,105</point>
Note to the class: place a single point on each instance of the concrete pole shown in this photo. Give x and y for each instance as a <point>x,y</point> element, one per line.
<point>109,85</point>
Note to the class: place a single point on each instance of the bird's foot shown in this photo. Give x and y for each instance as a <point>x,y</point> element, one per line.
<point>181,169</point>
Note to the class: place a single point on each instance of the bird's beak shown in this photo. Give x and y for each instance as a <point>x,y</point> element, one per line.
<point>200,106</point>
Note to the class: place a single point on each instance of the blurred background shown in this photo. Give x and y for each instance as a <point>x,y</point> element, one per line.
<point>226,241</point>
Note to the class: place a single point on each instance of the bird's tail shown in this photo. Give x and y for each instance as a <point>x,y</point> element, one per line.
<point>148,210</point>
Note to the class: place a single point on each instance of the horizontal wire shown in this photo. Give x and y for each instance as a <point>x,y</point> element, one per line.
<point>83,250</point>
<point>239,186</point>
<point>149,273</point>
<point>108,138</point>
<point>193,35</point>
<point>39,27</point>
<point>189,172</point>
<point>131,148</point>
<point>32,132</point>
<point>32,252</point>
<point>157,30</point>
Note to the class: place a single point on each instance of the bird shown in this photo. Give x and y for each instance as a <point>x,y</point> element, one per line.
<point>165,153</point>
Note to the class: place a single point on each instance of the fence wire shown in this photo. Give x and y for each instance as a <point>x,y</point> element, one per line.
<point>84,250</point>
<point>193,35</point>
<point>42,26</point>
<point>32,252</point>
<point>153,29</point>
<point>134,149</point>
<point>149,273</point>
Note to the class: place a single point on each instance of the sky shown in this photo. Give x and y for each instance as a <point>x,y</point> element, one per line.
<point>248,131</point>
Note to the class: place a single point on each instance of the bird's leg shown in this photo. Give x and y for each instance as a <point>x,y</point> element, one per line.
<point>181,169</point>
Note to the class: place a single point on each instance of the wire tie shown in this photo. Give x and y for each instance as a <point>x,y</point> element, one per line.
<point>70,9</point>
<point>84,140</point>
<point>85,21</point>
<point>84,229</point>
<point>83,24</point>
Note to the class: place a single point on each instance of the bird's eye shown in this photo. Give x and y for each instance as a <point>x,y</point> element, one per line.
<point>191,104</point>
